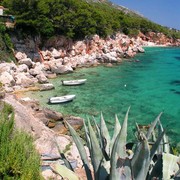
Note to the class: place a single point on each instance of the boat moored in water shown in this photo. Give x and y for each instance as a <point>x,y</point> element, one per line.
<point>74,82</point>
<point>61,99</point>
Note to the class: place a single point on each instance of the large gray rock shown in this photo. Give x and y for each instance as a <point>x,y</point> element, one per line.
<point>26,61</point>
<point>20,55</point>
<point>46,87</point>
<point>7,78</point>
<point>55,53</point>
<point>23,80</point>
<point>109,58</point>
<point>42,78</point>
<point>61,69</point>
<point>140,49</point>
<point>76,122</point>
<point>34,72</point>
<point>22,68</point>
<point>50,114</point>
<point>7,67</point>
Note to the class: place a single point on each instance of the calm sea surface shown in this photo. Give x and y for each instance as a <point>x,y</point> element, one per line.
<point>149,86</point>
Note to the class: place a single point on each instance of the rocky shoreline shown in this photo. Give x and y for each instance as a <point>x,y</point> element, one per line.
<point>60,56</point>
<point>33,119</point>
<point>33,69</point>
<point>65,58</point>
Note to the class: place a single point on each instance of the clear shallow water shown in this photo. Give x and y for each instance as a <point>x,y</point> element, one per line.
<point>149,86</point>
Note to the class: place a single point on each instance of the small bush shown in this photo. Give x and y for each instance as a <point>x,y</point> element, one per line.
<point>18,157</point>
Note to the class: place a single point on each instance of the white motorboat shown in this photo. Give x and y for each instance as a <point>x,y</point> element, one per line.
<point>74,82</point>
<point>61,99</point>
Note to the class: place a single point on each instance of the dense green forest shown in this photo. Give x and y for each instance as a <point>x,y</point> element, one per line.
<point>77,19</point>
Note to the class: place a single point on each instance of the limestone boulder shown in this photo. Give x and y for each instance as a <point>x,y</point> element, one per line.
<point>22,68</point>
<point>20,55</point>
<point>41,116</point>
<point>7,79</point>
<point>42,78</point>
<point>140,49</point>
<point>8,89</point>
<point>75,122</point>
<point>50,114</point>
<point>34,72</point>
<point>59,128</point>
<point>80,48</point>
<point>130,53</point>
<point>61,69</point>
<point>55,53</point>
<point>38,68</point>
<point>51,75</point>
<point>4,67</point>
<point>23,80</point>
<point>108,58</point>
<point>26,61</point>
<point>46,87</point>
<point>7,67</point>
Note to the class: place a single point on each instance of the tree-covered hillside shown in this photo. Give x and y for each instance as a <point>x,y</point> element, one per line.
<point>78,18</point>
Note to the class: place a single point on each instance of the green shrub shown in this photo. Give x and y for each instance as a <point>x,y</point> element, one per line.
<point>18,157</point>
<point>8,41</point>
<point>2,28</point>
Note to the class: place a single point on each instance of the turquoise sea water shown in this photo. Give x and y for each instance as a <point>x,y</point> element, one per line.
<point>149,86</point>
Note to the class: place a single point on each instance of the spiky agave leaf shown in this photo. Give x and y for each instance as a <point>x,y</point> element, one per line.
<point>105,135</point>
<point>96,153</point>
<point>165,141</point>
<point>170,165</point>
<point>141,159</point>
<point>153,125</point>
<point>98,133</point>
<point>66,162</point>
<point>101,141</point>
<point>104,170</point>
<point>117,129</point>
<point>81,150</point>
<point>156,145</point>
<point>87,136</point>
<point>64,172</point>
<point>143,155</point>
<point>119,152</point>
<point>156,169</point>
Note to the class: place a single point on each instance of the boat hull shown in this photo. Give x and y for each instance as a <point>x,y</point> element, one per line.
<point>61,99</point>
<point>74,82</point>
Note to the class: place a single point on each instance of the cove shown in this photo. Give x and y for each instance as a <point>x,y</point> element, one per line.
<point>150,85</point>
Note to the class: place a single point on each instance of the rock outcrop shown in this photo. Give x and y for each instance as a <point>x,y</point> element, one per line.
<point>31,118</point>
<point>61,55</point>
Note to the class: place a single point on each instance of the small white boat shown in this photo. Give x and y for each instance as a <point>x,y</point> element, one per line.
<point>74,82</point>
<point>61,99</point>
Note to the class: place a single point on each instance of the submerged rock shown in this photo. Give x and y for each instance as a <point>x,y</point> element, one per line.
<point>46,87</point>
<point>50,114</point>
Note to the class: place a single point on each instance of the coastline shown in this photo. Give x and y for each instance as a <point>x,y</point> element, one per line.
<point>28,74</point>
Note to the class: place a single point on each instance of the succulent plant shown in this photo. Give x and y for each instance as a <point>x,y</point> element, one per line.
<point>112,160</point>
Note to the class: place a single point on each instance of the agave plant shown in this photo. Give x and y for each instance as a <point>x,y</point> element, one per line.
<point>111,158</point>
